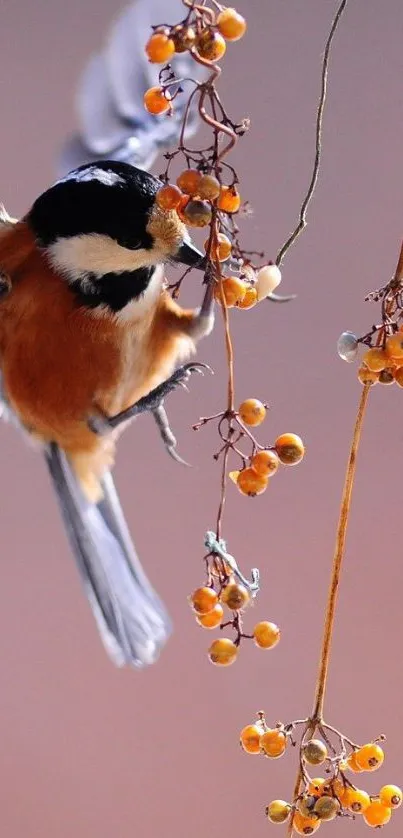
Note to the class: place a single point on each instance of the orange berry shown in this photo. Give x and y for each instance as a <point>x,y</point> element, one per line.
<point>305,826</point>
<point>157,101</point>
<point>278,811</point>
<point>250,298</point>
<point>250,483</point>
<point>224,247</point>
<point>204,600</point>
<point>376,359</point>
<point>160,48</point>
<point>370,757</point>
<point>231,24</point>
<point>357,800</point>
<point>252,412</point>
<point>211,45</point>
<point>209,187</point>
<point>235,596</point>
<point>229,199</point>
<point>197,213</point>
<point>250,739</point>
<point>184,37</point>
<point>377,814</point>
<point>366,376</point>
<point>168,197</point>
<point>290,449</point>
<point>188,181</point>
<point>266,635</point>
<point>341,791</point>
<point>326,808</point>
<point>223,652</point>
<point>265,462</point>
<point>394,346</point>
<point>391,796</point>
<point>181,207</point>
<point>234,290</point>
<point>212,619</point>
<point>351,763</point>
<point>273,743</point>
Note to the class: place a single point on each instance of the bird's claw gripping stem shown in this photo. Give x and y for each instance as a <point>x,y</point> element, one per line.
<point>153,403</point>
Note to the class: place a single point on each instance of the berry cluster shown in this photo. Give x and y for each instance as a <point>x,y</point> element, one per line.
<point>208,605</point>
<point>205,194</point>
<point>198,195</point>
<point>382,362</point>
<point>193,198</point>
<point>321,799</point>
<point>202,33</point>
<point>252,479</point>
<point>262,463</point>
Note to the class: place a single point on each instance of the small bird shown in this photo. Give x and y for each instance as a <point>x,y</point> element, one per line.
<point>90,337</point>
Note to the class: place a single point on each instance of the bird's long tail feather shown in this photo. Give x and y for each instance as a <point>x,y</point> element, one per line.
<point>132,621</point>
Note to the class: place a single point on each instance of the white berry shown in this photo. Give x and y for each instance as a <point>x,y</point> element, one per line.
<point>268,278</point>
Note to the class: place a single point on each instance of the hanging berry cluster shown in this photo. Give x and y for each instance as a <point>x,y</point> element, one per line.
<point>382,361</point>
<point>207,603</point>
<point>321,799</point>
<point>206,194</point>
<point>263,461</point>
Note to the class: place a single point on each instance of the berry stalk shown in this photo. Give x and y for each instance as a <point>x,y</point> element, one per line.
<point>317,713</point>
<point>316,719</point>
<point>302,222</point>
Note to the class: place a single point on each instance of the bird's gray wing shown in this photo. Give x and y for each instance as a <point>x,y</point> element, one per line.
<point>112,121</point>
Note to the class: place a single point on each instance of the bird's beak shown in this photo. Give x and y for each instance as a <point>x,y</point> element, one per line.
<point>189,255</point>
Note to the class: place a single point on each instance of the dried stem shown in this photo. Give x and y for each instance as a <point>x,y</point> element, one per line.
<point>318,142</point>
<point>317,713</point>
<point>231,392</point>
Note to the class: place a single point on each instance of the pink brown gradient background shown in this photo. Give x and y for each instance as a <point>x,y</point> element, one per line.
<point>88,750</point>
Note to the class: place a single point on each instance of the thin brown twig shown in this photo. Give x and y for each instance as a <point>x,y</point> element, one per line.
<point>317,713</point>
<point>231,386</point>
<point>212,251</point>
<point>318,140</point>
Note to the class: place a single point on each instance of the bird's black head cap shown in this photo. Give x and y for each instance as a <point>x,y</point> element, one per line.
<point>105,197</point>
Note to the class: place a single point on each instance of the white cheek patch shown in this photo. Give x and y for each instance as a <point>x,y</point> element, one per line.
<point>97,254</point>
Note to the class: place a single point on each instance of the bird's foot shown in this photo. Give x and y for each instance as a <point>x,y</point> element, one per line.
<point>153,403</point>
